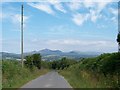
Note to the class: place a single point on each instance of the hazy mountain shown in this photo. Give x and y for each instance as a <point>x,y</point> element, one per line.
<point>50,52</point>
<point>6,55</point>
<point>49,55</point>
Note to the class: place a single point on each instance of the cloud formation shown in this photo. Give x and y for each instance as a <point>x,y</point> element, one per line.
<point>61,44</point>
<point>84,45</point>
<point>43,7</point>
<point>94,9</point>
<point>47,6</point>
<point>79,19</point>
<point>17,18</point>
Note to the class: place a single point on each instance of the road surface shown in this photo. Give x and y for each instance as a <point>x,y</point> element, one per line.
<point>49,80</point>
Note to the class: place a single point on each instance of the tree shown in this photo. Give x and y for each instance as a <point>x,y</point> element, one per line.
<point>29,62</point>
<point>63,62</point>
<point>37,60</point>
<point>54,65</point>
<point>118,38</point>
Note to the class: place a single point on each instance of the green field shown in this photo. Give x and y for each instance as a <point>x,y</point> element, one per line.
<point>99,72</point>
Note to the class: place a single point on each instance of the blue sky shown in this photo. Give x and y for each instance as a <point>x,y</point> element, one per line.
<point>67,26</point>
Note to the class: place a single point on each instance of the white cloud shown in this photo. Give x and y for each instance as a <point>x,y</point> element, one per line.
<point>43,7</point>
<point>79,19</point>
<point>89,3</point>
<point>74,5</point>
<point>61,44</point>
<point>115,15</point>
<point>94,15</point>
<point>94,1</point>
<point>47,6</point>
<point>101,26</point>
<point>115,20</point>
<point>17,18</point>
<point>55,0</point>
<point>83,45</point>
<point>79,42</point>
<point>101,6</point>
<point>59,7</point>
<point>94,7</point>
<point>97,7</point>
<point>114,11</point>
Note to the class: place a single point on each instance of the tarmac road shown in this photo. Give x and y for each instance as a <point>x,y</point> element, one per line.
<point>49,80</point>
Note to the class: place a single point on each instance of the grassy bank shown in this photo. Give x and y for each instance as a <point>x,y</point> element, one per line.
<point>13,76</point>
<point>100,72</point>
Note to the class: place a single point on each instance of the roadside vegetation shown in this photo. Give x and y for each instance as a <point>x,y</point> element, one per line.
<point>99,72</point>
<point>14,76</point>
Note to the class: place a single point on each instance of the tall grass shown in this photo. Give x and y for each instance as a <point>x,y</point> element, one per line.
<point>99,72</point>
<point>13,76</point>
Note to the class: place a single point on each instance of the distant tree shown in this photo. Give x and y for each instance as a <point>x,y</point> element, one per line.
<point>29,62</point>
<point>63,62</point>
<point>37,60</point>
<point>54,65</point>
<point>46,64</point>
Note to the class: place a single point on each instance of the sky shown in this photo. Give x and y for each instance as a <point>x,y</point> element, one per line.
<point>67,26</point>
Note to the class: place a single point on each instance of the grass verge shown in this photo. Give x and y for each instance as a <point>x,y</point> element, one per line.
<point>13,76</point>
<point>99,72</point>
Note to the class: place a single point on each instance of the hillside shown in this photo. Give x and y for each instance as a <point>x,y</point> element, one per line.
<point>99,72</point>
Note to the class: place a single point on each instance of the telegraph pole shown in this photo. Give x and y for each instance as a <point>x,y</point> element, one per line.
<point>22,56</point>
<point>118,38</point>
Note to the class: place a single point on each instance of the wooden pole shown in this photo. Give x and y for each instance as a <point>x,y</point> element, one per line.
<point>22,56</point>
<point>118,26</point>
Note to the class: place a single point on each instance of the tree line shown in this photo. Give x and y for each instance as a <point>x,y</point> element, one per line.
<point>36,61</point>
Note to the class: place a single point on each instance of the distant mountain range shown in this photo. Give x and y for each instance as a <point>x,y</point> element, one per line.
<point>51,55</point>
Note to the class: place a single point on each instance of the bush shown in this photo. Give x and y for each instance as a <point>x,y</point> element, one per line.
<point>29,62</point>
<point>33,60</point>
<point>37,60</point>
<point>14,76</point>
<point>102,71</point>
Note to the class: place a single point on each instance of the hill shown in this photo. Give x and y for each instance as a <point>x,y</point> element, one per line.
<point>50,55</point>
